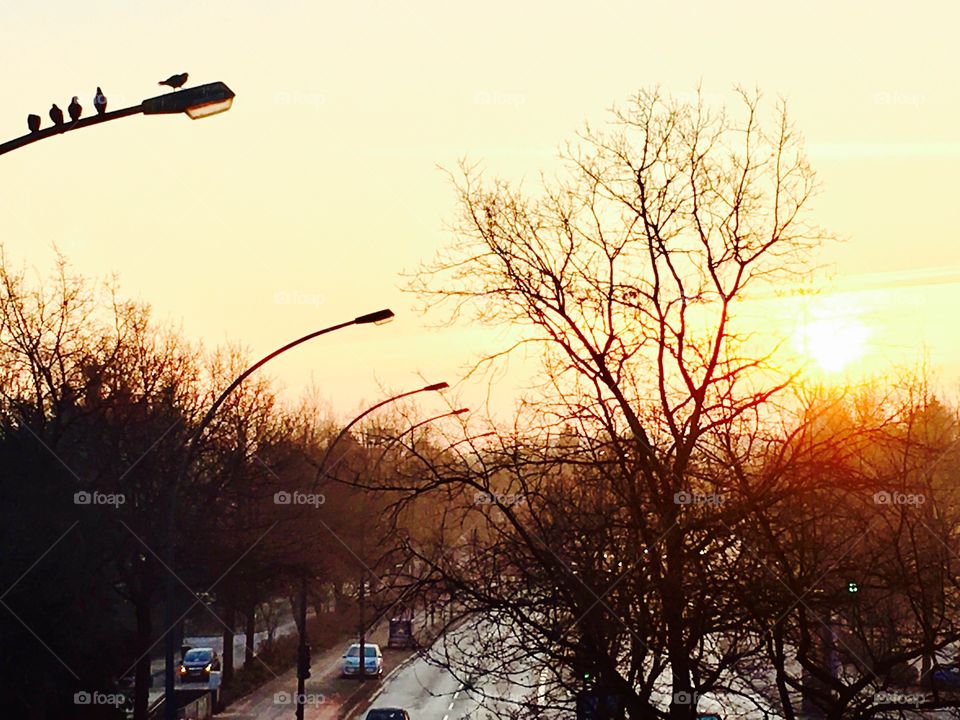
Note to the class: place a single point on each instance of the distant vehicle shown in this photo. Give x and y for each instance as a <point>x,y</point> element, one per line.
<point>946,677</point>
<point>197,665</point>
<point>387,714</point>
<point>372,665</point>
<point>401,633</point>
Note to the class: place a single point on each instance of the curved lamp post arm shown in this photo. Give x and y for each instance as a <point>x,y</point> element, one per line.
<point>321,467</point>
<point>378,317</point>
<point>170,709</point>
<point>395,440</point>
<point>197,102</point>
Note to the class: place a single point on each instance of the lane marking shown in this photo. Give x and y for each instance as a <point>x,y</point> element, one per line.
<point>445,717</point>
<point>456,694</point>
<point>450,706</point>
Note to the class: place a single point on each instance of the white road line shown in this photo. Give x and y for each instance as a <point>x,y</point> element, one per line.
<point>445,717</point>
<point>456,694</point>
<point>450,706</point>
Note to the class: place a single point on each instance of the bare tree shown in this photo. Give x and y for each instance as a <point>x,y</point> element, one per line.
<point>627,272</point>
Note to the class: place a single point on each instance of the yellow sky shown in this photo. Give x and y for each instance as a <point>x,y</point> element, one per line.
<point>300,207</point>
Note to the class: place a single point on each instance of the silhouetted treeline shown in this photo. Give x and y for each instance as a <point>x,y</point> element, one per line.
<point>96,402</point>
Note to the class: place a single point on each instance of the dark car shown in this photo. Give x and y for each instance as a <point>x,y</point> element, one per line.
<point>401,633</point>
<point>387,714</point>
<point>946,677</point>
<point>197,665</point>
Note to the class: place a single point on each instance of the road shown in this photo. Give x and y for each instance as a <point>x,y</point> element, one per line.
<point>326,692</point>
<point>428,691</point>
<point>285,628</point>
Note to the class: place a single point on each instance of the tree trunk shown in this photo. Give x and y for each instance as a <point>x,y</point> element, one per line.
<point>141,687</point>
<point>683,705</point>
<point>230,624</point>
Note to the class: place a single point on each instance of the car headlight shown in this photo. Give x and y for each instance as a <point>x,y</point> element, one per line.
<point>209,667</point>
<point>183,670</point>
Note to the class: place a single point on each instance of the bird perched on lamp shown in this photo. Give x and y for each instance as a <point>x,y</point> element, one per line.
<point>175,81</point>
<point>75,109</point>
<point>100,102</point>
<point>33,122</point>
<point>56,114</point>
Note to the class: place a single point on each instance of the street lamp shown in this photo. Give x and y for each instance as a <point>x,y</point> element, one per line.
<point>170,710</point>
<point>196,102</point>
<point>394,440</point>
<point>303,652</point>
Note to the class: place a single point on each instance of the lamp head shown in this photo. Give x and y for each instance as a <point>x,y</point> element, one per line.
<point>197,102</point>
<point>379,317</point>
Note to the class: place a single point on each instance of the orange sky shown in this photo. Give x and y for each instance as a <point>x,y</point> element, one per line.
<point>300,206</point>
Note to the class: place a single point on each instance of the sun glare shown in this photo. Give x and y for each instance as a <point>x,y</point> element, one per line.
<point>833,340</point>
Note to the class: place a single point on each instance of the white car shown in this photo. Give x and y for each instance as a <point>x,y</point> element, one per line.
<point>373,661</point>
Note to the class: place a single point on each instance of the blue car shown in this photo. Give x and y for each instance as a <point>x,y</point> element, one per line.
<point>946,677</point>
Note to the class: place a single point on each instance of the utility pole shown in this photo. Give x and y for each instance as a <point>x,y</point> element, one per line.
<point>303,651</point>
<point>363,597</point>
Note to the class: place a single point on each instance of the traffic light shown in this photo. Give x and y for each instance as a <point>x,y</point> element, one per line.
<point>584,668</point>
<point>303,661</point>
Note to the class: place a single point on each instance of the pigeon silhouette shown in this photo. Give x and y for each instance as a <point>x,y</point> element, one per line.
<point>100,102</point>
<point>33,122</point>
<point>75,109</point>
<point>56,114</point>
<point>175,81</point>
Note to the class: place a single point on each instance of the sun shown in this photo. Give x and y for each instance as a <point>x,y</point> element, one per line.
<point>833,340</point>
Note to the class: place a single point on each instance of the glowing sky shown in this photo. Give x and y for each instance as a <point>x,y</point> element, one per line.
<point>301,206</point>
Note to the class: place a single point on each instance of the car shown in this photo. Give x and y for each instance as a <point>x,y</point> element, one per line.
<point>946,676</point>
<point>198,663</point>
<point>373,661</point>
<point>387,714</point>
<point>401,633</point>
